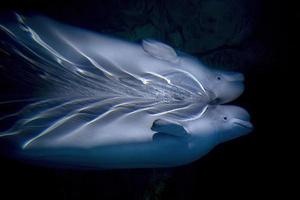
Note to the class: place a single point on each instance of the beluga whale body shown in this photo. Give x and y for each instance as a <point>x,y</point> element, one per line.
<point>107,103</point>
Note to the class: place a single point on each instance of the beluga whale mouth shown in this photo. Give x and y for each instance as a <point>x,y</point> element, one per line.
<point>234,76</point>
<point>104,102</point>
<point>244,124</point>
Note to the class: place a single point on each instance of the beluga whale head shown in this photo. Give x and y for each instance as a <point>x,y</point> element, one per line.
<point>222,123</point>
<point>218,124</point>
<point>233,122</point>
<point>222,86</point>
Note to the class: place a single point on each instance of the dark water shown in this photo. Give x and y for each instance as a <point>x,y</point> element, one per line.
<point>248,36</point>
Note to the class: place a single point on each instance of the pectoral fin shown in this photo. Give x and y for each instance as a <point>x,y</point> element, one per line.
<point>160,50</point>
<point>165,128</point>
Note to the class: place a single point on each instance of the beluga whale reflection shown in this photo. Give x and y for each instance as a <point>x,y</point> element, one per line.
<point>98,101</point>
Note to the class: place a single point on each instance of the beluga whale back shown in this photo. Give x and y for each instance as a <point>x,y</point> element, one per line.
<point>103,102</point>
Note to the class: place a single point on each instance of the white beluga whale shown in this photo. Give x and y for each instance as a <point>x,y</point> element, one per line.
<point>108,103</point>
<point>166,144</point>
<point>89,53</point>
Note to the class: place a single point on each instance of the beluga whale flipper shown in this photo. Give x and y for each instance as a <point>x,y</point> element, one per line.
<point>103,102</point>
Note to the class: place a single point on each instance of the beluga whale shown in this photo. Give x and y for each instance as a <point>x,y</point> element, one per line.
<point>103,102</point>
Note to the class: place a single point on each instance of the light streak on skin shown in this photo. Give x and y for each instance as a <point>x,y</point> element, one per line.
<point>22,100</point>
<point>14,37</point>
<point>197,116</point>
<point>37,38</point>
<point>46,131</point>
<point>91,60</point>
<point>180,109</point>
<point>160,76</point>
<point>55,108</point>
<point>197,81</point>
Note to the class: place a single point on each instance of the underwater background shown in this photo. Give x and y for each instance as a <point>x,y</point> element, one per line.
<point>249,36</point>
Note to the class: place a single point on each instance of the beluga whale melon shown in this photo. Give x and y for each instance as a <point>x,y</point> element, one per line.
<point>103,102</point>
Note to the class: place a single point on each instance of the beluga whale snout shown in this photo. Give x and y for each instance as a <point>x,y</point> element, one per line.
<point>233,76</point>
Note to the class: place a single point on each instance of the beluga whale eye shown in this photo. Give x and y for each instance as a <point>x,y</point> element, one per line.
<point>225,118</point>
<point>218,78</point>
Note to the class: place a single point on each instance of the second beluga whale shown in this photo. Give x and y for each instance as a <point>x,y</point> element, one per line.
<point>114,104</point>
